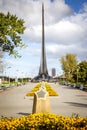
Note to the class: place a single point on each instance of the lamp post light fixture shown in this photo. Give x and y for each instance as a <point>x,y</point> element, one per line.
<point>9,76</point>
<point>77,74</point>
<point>16,77</point>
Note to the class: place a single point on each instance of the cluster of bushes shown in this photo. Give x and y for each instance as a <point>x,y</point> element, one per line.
<point>49,89</point>
<point>6,85</point>
<point>72,84</point>
<point>44,121</point>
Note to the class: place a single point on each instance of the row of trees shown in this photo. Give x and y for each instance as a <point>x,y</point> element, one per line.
<point>74,71</point>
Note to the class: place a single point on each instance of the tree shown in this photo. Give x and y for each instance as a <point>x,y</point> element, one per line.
<point>82,72</point>
<point>69,64</point>
<point>11,29</point>
<point>1,62</point>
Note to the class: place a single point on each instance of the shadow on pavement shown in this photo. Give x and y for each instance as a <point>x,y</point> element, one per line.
<point>76,104</point>
<point>23,113</point>
<point>81,95</point>
<point>67,87</point>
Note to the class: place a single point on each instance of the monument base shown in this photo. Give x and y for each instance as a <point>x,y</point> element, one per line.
<point>42,77</point>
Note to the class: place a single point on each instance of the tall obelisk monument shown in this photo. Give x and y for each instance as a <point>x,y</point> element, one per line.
<point>43,46</point>
<point>43,72</point>
<point>43,67</point>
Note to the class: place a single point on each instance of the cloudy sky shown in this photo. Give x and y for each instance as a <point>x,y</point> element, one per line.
<point>65,32</point>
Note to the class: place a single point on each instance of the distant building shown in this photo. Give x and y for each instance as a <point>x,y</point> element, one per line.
<point>53,72</point>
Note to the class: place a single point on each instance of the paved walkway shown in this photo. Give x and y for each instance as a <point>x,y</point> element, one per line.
<point>69,101</point>
<point>14,103</point>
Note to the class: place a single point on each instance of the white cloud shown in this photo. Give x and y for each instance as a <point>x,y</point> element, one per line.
<point>64,32</point>
<point>84,7</point>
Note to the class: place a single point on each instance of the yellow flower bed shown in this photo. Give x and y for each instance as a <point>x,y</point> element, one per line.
<point>49,89</point>
<point>36,88</point>
<point>42,121</point>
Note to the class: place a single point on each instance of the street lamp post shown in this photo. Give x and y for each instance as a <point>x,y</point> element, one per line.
<point>9,76</point>
<point>77,74</point>
<point>16,78</point>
